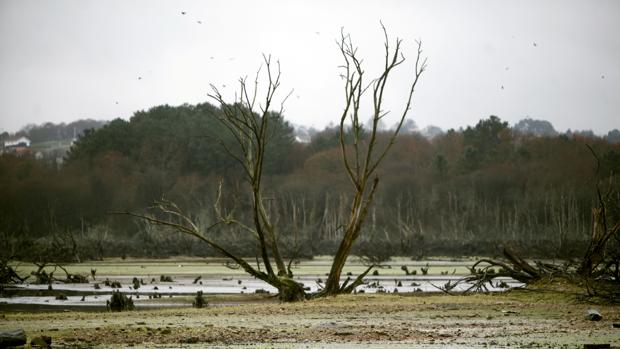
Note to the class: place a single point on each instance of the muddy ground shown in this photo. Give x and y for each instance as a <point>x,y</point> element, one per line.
<point>515,319</point>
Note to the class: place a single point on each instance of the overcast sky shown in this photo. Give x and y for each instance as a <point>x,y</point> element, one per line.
<point>556,60</point>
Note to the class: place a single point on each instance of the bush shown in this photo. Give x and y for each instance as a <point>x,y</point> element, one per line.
<point>136,283</point>
<point>199,301</point>
<point>120,302</point>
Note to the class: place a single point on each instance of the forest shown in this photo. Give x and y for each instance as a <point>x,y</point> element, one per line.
<point>462,192</point>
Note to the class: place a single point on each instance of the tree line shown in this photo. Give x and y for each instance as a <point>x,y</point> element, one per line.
<point>462,192</point>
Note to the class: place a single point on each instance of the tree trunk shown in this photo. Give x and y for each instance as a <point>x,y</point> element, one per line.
<point>290,290</point>
<point>332,285</point>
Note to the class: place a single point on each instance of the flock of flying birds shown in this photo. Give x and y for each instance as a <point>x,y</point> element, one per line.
<point>183,13</point>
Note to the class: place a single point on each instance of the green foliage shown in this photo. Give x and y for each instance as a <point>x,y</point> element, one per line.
<point>461,191</point>
<point>441,166</point>
<point>120,302</point>
<point>199,300</point>
<point>483,141</point>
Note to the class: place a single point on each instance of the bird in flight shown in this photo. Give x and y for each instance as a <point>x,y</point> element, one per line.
<point>199,22</point>
<point>535,44</point>
<point>183,13</point>
<point>602,76</point>
<point>139,78</point>
<point>502,87</point>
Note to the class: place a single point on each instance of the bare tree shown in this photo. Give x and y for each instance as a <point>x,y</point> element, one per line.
<point>362,158</point>
<point>248,120</point>
<point>598,270</point>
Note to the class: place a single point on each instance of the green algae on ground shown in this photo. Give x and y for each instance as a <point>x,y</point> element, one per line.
<point>191,266</point>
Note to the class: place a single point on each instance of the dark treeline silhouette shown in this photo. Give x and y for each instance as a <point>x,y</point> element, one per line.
<point>463,192</point>
<point>54,132</point>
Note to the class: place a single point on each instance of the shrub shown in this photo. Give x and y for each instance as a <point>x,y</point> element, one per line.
<point>199,301</point>
<point>136,283</point>
<point>120,302</point>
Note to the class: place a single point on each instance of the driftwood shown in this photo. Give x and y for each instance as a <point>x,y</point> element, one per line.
<point>42,277</point>
<point>484,272</point>
<point>598,271</point>
<point>8,275</point>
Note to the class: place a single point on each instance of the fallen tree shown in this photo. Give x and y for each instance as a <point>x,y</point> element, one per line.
<point>598,270</point>
<point>8,275</point>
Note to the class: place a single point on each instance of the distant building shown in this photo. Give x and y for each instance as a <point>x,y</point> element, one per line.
<point>17,145</point>
<point>17,142</point>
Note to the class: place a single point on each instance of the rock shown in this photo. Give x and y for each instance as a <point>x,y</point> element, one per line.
<point>12,338</point>
<point>594,315</point>
<point>596,346</point>
<point>616,325</point>
<point>41,342</point>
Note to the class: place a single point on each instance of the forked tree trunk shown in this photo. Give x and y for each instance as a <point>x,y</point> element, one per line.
<point>362,157</point>
<point>250,130</point>
<point>356,219</point>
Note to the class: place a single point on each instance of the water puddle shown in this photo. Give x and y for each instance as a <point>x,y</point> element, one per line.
<point>179,292</point>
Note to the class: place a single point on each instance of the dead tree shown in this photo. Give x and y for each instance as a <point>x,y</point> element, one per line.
<point>603,229</point>
<point>248,121</point>
<point>8,274</point>
<point>484,271</point>
<point>42,277</point>
<point>362,158</point>
<point>600,266</point>
<point>598,270</point>
<point>8,254</point>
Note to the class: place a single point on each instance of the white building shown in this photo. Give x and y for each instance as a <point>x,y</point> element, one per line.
<point>17,142</point>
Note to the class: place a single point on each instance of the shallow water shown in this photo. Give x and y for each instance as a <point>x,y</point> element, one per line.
<point>218,280</point>
<point>85,295</point>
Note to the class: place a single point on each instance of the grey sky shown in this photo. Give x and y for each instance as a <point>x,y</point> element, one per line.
<point>63,60</point>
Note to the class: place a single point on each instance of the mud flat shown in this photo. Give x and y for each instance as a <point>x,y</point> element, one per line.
<point>517,318</point>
